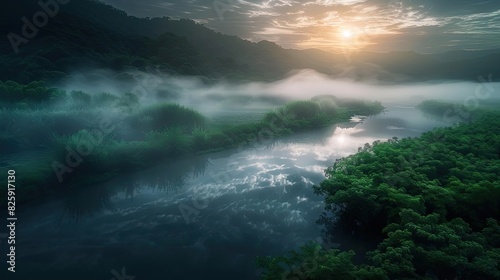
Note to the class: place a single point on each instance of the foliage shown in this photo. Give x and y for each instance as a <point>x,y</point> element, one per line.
<point>319,111</point>
<point>435,107</point>
<point>431,202</point>
<point>80,98</point>
<point>166,132</point>
<point>312,261</point>
<point>200,138</point>
<point>421,245</point>
<point>32,94</point>
<point>172,142</point>
<point>164,115</point>
<point>22,130</point>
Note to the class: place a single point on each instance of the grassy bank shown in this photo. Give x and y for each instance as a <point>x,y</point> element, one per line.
<point>84,143</point>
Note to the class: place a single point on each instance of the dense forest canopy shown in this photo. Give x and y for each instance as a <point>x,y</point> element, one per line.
<point>431,205</point>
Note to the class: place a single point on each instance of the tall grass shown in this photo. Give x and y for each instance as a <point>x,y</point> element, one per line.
<point>319,111</point>
<point>171,142</point>
<point>165,115</point>
<point>359,107</point>
<point>168,131</point>
<point>300,109</point>
<point>22,130</point>
<point>80,98</point>
<point>297,115</point>
<point>33,94</point>
<point>84,141</point>
<point>199,139</point>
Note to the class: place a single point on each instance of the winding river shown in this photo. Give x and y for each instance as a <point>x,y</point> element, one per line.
<point>201,218</point>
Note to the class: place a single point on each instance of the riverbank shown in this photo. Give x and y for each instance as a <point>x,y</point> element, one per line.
<point>126,137</point>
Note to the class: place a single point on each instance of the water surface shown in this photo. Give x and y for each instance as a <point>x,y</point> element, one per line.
<point>206,217</point>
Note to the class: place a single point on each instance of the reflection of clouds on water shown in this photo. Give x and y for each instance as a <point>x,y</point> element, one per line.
<point>357,119</point>
<point>342,142</point>
<point>319,169</point>
<point>262,205</point>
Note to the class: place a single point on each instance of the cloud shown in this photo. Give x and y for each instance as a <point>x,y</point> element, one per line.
<point>419,25</point>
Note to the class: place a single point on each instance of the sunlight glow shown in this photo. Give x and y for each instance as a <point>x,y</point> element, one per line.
<point>341,138</point>
<point>347,34</point>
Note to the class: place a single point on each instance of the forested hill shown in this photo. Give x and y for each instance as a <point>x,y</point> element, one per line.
<point>90,34</point>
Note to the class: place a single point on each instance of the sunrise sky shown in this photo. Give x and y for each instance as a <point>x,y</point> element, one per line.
<point>424,26</point>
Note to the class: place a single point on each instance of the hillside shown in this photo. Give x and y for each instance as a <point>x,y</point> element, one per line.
<point>87,34</point>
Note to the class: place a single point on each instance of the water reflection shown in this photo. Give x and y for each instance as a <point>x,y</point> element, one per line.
<point>239,204</point>
<point>84,202</point>
<point>274,165</point>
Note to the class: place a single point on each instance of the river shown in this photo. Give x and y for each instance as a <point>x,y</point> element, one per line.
<point>206,217</point>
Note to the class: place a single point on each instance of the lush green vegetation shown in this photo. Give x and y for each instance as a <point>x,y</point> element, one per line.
<point>32,94</point>
<point>320,111</point>
<point>81,139</point>
<point>436,107</point>
<point>164,115</point>
<point>431,204</point>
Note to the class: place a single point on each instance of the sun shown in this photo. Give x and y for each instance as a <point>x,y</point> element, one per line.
<point>347,34</point>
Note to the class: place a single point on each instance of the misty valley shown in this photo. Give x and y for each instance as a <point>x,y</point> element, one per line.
<point>138,147</point>
<point>214,181</point>
<point>85,139</point>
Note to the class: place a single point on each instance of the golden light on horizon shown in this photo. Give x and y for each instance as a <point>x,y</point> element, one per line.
<point>341,38</point>
<point>348,39</point>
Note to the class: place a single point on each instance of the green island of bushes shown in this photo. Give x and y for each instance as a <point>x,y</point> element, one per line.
<point>84,139</point>
<point>425,207</point>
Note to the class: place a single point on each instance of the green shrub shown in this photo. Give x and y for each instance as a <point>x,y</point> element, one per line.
<point>218,140</point>
<point>200,139</point>
<point>327,104</point>
<point>300,109</point>
<point>165,115</point>
<point>170,142</point>
<point>298,115</point>
<point>34,93</point>
<point>80,98</point>
<point>33,128</point>
<point>89,145</point>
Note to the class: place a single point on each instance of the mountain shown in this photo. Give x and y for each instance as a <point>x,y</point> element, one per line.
<point>464,55</point>
<point>87,34</point>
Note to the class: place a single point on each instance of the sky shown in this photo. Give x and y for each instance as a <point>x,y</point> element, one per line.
<point>425,26</point>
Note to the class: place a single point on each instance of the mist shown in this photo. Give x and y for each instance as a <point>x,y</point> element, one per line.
<point>222,96</point>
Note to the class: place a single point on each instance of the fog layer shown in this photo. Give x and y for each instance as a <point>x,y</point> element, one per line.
<point>154,87</point>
